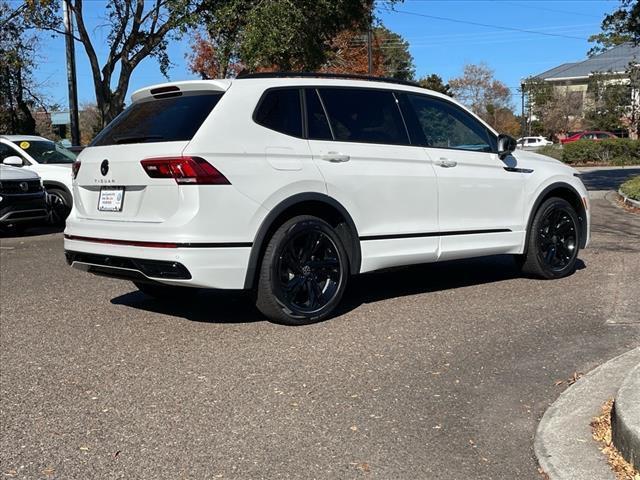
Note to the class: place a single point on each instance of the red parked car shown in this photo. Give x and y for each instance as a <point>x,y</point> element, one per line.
<point>589,135</point>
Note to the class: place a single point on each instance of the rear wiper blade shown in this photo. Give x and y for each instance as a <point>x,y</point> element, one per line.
<point>136,138</point>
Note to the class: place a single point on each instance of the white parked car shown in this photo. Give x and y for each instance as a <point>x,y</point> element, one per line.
<point>532,143</point>
<point>49,160</point>
<point>290,185</point>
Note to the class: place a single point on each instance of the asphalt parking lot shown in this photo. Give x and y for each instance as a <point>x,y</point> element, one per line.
<point>430,372</point>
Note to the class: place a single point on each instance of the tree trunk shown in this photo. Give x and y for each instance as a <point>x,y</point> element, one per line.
<point>26,124</point>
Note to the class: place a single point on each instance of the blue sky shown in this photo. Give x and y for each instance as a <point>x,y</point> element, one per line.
<point>437,45</point>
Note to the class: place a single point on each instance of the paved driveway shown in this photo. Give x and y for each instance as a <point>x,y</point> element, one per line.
<point>431,372</point>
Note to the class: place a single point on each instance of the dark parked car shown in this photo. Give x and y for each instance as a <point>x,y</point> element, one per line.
<point>23,200</point>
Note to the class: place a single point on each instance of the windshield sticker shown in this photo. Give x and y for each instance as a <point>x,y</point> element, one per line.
<point>24,145</point>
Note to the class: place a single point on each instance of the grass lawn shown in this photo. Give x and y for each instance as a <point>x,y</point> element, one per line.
<point>631,188</point>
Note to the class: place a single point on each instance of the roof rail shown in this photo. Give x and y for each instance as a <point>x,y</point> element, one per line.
<point>348,76</point>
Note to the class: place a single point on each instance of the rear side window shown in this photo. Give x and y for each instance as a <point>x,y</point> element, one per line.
<point>317,122</point>
<point>159,120</point>
<point>280,110</point>
<point>363,115</point>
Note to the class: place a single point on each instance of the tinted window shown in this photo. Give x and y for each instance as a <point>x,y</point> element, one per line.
<point>280,110</point>
<point>369,116</point>
<point>444,125</point>
<point>7,151</point>
<point>316,119</point>
<point>45,151</point>
<point>159,120</point>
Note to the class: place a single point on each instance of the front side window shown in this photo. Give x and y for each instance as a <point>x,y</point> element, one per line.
<point>160,120</point>
<point>280,110</point>
<point>364,115</point>
<point>445,125</point>
<point>46,151</point>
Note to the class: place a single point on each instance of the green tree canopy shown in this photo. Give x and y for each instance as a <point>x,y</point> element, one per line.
<point>18,49</point>
<point>434,82</point>
<point>397,61</point>
<point>620,26</point>
<point>284,34</point>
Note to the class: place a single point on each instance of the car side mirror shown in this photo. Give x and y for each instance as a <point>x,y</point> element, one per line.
<point>13,160</point>
<point>506,145</point>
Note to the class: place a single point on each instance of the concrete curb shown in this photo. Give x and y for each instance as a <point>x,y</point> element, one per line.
<point>627,200</point>
<point>563,443</point>
<point>625,418</point>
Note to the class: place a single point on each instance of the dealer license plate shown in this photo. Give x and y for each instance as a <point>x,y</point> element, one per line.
<point>111,199</point>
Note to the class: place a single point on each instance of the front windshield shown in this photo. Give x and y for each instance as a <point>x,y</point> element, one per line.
<point>46,151</point>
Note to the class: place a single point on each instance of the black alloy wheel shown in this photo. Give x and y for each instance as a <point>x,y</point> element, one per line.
<point>59,203</point>
<point>304,272</point>
<point>308,270</point>
<point>553,241</point>
<point>557,238</point>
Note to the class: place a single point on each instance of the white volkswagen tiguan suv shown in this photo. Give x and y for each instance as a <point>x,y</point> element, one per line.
<point>289,184</point>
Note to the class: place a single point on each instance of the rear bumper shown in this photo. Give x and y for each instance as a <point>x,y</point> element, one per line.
<point>215,267</point>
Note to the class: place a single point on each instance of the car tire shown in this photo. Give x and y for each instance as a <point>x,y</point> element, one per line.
<point>553,242</point>
<point>60,203</point>
<point>166,292</point>
<point>303,273</point>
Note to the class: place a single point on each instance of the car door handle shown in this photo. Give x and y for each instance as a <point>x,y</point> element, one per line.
<point>335,157</point>
<point>446,163</point>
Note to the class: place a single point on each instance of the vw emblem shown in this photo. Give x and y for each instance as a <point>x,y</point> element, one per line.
<point>104,167</point>
<point>24,186</point>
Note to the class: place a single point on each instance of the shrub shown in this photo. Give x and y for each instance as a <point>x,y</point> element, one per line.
<point>631,188</point>
<point>617,151</point>
<point>553,151</point>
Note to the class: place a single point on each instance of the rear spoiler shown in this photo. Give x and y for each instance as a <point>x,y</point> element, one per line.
<point>166,90</point>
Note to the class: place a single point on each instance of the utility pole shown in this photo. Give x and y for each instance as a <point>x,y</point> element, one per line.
<point>369,50</point>
<point>71,72</point>
<point>370,40</point>
<point>523,122</point>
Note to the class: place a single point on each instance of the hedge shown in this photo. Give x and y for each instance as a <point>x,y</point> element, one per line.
<point>631,188</point>
<point>554,151</point>
<point>617,151</point>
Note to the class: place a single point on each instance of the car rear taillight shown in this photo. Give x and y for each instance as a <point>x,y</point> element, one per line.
<point>75,168</point>
<point>185,170</point>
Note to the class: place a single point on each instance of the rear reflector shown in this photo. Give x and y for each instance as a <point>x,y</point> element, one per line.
<point>132,243</point>
<point>185,170</point>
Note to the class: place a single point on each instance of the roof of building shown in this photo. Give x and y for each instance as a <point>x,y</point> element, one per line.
<point>614,60</point>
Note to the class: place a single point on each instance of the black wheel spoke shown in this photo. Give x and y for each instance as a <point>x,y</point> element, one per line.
<point>294,286</point>
<point>565,227</point>
<point>310,245</point>
<point>289,257</point>
<point>314,293</point>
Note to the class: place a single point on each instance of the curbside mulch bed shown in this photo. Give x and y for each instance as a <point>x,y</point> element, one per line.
<point>601,426</point>
<point>634,204</point>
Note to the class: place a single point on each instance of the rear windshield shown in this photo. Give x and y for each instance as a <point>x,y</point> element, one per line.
<point>159,120</point>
